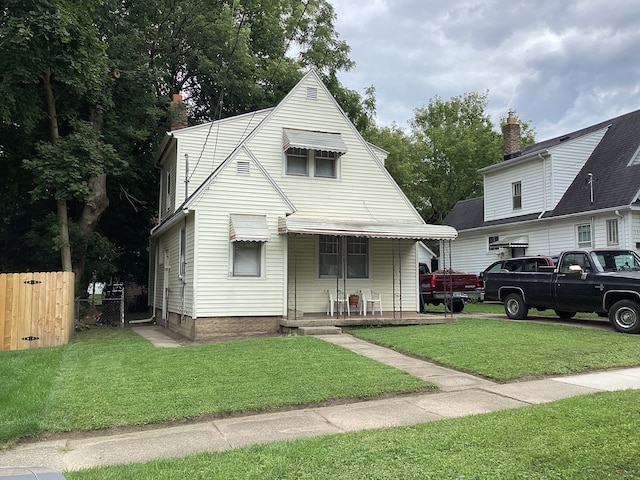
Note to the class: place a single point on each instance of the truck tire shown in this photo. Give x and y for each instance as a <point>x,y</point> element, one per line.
<point>515,308</point>
<point>565,315</point>
<point>456,307</point>
<point>624,316</point>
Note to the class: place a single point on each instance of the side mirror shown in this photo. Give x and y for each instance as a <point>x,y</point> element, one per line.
<point>575,269</point>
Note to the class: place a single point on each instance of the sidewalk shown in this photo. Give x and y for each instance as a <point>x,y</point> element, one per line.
<point>462,394</point>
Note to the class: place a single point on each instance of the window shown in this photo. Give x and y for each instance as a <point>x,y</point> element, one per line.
<point>612,232</point>
<point>325,164</point>
<point>247,259</point>
<point>330,252</point>
<point>584,235</point>
<point>491,240</point>
<point>297,162</point>
<point>168,199</point>
<point>516,189</point>
<point>300,161</point>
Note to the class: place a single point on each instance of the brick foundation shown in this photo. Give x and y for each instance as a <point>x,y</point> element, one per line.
<point>219,328</point>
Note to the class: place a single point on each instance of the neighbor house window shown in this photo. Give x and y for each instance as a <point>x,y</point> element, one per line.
<point>330,256</point>
<point>247,259</point>
<point>325,164</point>
<point>612,232</point>
<point>297,162</point>
<point>491,240</point>
<point>584,235</point>
<point>516,189</point>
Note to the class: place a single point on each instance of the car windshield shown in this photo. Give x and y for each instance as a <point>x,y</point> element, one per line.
<point>614,260</point>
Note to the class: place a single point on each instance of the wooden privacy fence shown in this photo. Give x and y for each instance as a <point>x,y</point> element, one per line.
<point>36,309</point>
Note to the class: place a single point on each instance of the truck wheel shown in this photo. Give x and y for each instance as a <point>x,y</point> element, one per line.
<point>624,316</point>
<point>565,315</point>
<point>456,307</point>
<point>515,308</point>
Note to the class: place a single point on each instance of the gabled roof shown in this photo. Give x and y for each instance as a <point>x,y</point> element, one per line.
<point>615,177</point>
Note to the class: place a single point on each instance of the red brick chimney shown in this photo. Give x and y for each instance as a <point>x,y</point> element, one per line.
<point>511,137</point>
<point>177,113</point>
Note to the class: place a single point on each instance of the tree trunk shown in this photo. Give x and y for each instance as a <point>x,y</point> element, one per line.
<point>61,204</point>
<point>95,206</point>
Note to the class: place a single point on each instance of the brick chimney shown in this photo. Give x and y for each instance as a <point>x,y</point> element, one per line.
<point>511,137</point>
<point>177,113</point>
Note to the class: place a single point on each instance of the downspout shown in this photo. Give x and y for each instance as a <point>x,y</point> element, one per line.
<point>623,229</point>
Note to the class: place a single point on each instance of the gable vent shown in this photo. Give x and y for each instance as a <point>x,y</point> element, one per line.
<point>312,93</point>
<point>242,168</point>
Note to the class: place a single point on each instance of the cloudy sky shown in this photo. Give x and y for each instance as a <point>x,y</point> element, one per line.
<point>561,64</point>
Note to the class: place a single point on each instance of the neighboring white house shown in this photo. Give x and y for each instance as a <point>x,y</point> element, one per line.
<point>577,190</point>
<point>262,213</point>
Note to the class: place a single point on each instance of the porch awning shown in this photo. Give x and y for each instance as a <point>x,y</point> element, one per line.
<point>328,142</point>
<point>512,241</point>
<point>248,228</point>
<point>360,228</point>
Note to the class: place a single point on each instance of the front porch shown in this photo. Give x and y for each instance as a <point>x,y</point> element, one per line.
<point>321,319</point>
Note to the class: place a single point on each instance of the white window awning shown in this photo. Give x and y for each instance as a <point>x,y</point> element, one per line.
<point>361,228</point>
<point>512,241</point>
<point>248,228</point>
<point>328,142</point>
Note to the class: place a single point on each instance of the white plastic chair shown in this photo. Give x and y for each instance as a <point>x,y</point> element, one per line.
<point>369,297</point>
<point>338,301</point>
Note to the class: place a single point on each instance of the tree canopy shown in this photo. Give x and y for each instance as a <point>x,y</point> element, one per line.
<point>86,86</point>
<point>436,163</point>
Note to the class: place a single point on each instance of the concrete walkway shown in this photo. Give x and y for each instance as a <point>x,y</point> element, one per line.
<point>461,395</point>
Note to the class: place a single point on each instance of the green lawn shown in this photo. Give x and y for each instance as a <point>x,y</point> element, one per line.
<point>507,350</point>
<point>498,309</point>
<point>113,376</point>
<point>592,437</point>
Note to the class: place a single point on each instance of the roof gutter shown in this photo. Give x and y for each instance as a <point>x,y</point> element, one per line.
<point>173,220</point>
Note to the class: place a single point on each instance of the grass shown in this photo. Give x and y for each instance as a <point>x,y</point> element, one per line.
<point>506,350</point>
<point>498,309</point>
<point>110,377</point>
<point>587,437</point>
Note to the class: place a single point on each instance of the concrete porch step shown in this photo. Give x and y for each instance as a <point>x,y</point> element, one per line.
<point>320,330</point>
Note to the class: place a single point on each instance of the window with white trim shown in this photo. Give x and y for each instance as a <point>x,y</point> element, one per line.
<point>316,163</point>
<point>612,232</point>
<point>325,164</point>
<point>330,256</point>
<point>297,162</point>
<point>583,233</point>
<point>516,191</point>
<point>492,239</point>
<point>247,259</point>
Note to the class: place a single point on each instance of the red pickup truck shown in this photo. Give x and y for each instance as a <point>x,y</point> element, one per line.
<point>453,288</point>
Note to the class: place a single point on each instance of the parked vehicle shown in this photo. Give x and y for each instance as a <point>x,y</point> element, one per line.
<point>519,264</point>
<point>454,288</point>
<point>604,281</point>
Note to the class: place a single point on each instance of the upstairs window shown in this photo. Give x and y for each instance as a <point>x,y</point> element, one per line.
<point>325,164</point>
<point>516,190</point>
<point>316,163</point>
<point>297,162</point>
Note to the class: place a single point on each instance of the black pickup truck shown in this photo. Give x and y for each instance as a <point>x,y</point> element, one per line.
<point>604,281</point>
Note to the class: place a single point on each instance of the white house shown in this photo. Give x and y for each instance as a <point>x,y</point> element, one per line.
<point>577,190</point>
<point>263,213</point>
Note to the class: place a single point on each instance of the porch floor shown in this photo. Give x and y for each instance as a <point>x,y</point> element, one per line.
<point>321,319</point>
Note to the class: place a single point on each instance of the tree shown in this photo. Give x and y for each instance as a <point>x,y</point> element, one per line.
<point>53,55</point>
<point>456,139</point>
<point>86,88</point>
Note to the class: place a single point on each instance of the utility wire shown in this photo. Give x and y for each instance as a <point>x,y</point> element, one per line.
<point>270,80</point>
